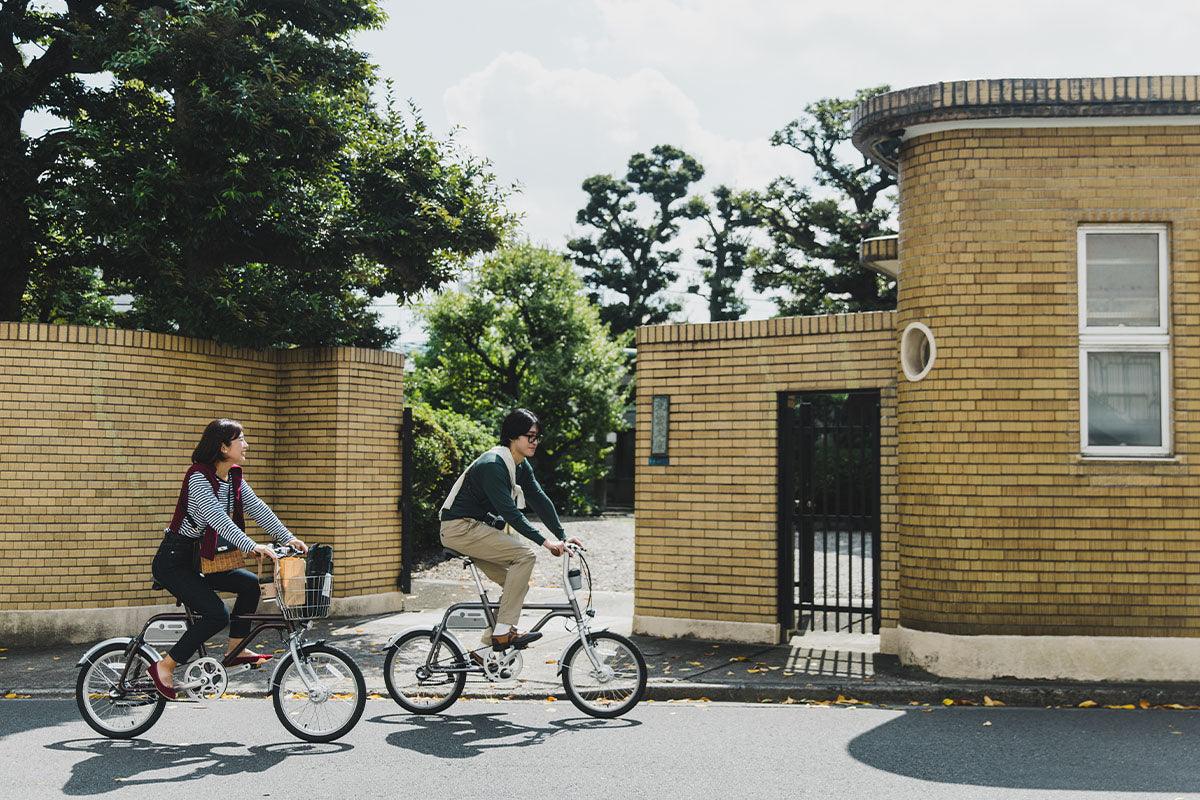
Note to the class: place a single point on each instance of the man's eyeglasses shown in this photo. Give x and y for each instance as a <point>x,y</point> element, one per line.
<point>533,438</point>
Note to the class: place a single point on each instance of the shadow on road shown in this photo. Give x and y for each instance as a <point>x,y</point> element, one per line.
<point>20,716</point>
<point>117,764</point>
<point>1096,750</point>
<point>470,735</point>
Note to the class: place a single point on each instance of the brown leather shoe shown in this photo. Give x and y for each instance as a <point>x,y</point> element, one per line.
<point>514,638</point>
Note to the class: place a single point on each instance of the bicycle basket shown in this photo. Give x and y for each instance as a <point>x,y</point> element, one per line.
<point>303,596</point>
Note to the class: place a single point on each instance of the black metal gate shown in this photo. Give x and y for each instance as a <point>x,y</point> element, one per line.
<point>829,511</point>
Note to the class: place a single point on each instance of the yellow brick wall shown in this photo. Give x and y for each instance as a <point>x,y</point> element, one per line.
<point>1004,529</point>
<point>707,522</point>
<point>99,425</point>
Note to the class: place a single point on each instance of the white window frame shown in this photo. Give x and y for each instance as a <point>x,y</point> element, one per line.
<point>1110,339</point>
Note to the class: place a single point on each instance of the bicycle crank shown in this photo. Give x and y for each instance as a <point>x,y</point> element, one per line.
<point>502,666</point>
<point>204,679</point>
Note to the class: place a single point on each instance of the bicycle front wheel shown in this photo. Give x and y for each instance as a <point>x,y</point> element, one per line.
<point>329,704</point>
<point>416,673</point>
<point>610,686</point>
<point>118,712</point>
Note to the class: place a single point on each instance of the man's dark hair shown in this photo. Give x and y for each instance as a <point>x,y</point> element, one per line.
<point>516,423</point>
<point>217,433</point>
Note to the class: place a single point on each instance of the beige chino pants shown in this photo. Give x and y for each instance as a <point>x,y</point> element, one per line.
<point>502,556</point>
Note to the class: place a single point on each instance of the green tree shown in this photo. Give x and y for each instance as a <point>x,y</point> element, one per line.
<point>234,176</point>
<point>629,253</point>
<point>813,254</point>
<point>725,248</point>
<point>444,444</point>
<point>522,333</point>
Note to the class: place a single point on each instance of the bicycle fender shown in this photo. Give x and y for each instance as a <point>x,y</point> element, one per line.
<point>279,662</point>
<point>145,649</point>
<point>563,654</point>
<point>426,630</point>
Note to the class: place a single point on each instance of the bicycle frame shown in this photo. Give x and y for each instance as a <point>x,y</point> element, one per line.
<point>261,622</point>
<point>569,609</point>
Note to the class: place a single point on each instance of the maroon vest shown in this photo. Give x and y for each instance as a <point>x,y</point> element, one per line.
<point>208,543</point>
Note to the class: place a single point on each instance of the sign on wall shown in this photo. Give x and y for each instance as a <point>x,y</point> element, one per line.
<point>660,412</point>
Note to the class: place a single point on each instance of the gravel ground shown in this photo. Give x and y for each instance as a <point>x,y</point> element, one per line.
<point>609,543</point>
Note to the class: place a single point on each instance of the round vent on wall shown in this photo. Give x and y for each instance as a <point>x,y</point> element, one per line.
<point>917,351</point>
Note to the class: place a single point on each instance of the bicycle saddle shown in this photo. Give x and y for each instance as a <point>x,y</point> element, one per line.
<point>456,554</point>
<point>156,586</point>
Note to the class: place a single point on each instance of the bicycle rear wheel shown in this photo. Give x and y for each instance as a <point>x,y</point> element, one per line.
<point>112,711</point>
<point>613,689</point>
<point>332,707</point>
<point>410,681</point>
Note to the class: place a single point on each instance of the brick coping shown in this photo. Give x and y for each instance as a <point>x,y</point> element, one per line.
<point>876,124</point>
<point>147,340</point>
<point>859,322</point>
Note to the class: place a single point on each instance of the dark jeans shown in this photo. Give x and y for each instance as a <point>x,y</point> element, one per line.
<point>174,567</point>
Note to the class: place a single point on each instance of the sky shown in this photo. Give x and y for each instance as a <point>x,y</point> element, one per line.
<point>552,91</point>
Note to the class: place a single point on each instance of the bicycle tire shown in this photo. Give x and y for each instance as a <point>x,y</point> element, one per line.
<point>455,682</point>
<point>355,679</point>
<point>84,698</point>
<point>602,707</point>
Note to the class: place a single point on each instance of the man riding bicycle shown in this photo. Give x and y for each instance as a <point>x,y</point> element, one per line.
<point>488,497</point>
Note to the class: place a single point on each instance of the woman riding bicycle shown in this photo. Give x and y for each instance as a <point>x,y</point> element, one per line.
<point>213,502</point>
<point>490,493</point>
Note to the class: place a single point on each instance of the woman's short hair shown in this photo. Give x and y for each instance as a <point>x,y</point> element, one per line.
<point>216,433</point>
<point>516,423</point>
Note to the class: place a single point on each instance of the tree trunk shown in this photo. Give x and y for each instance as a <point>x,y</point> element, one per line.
<point>16,226</point>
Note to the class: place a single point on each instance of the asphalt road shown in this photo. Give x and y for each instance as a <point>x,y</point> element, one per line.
<point>236,748</point>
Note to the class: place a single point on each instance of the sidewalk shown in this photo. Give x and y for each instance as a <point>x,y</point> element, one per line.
<point>814,668</point>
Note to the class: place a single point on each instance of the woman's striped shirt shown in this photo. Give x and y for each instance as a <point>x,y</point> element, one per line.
<point>208,510</point>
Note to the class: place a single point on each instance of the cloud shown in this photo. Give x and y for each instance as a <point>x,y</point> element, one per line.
<point>836,48</point>
<point>551,128</point>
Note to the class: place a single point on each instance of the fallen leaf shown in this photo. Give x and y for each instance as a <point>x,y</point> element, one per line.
<point>1126,707</point>
<point>1087,704</point>
<point>551,698</point>
<point>738,658</point>
<point>57,658</point>
<point>551,660</point>
<point>787,701</point>
<point>787,674</point>
<point>15,696</point>
<point>1143,703</point>
<point>766,700</point>
<point>754,671</point>
<point>947,702</point>
<point>987,724</point>
<point>987,701</point>
<point>695,664</point>
<point>772,667</point>
<point>849,701</point>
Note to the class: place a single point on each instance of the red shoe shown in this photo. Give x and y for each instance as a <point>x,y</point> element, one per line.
<point>254,658</point>
<point>166,691</point>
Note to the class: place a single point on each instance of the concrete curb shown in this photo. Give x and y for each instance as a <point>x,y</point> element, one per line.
<point>1014,695</point>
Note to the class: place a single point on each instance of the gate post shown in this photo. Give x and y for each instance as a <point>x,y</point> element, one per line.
<point>406,448</point>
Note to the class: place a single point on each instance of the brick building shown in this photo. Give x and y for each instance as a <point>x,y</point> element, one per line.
<point>99,428</point>
<point>1031,506</point>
